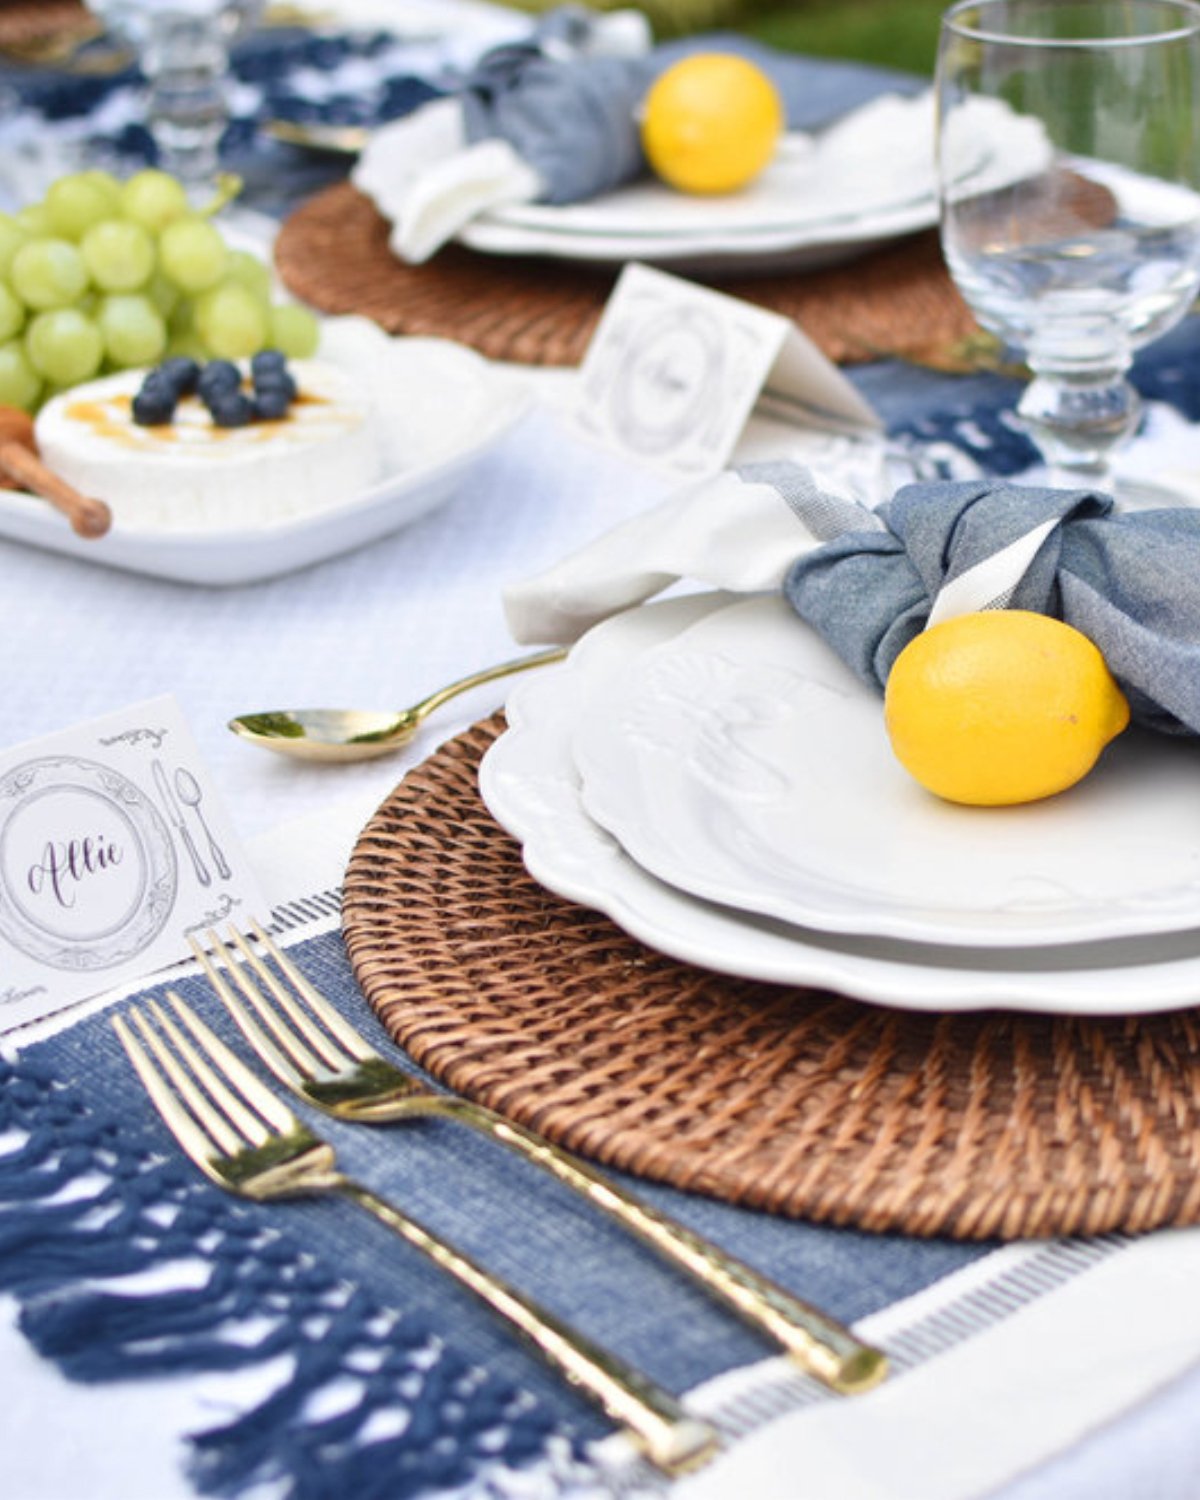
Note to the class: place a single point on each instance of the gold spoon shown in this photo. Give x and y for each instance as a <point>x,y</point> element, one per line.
<point>349,734</point>
<point>341,140</point>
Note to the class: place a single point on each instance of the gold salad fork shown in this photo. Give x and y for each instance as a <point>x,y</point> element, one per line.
<point>313,1051</point>
<point>246,1140</point>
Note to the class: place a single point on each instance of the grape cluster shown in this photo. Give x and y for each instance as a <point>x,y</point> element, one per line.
<point>219,385</point>
<point>105,275</point>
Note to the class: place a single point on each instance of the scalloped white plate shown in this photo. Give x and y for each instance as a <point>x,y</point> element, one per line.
<point>743,762</point>
<point>532,787</point>
<point>441,407</point>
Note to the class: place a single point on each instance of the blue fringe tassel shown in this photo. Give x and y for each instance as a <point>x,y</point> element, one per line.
<point>451,1418</point>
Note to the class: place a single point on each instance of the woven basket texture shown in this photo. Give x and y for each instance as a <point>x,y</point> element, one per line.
<point>796,1101</point>
<point>333,252</point>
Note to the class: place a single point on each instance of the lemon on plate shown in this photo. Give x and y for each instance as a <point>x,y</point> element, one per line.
<point>1001,706</point>
<point>711,122</point>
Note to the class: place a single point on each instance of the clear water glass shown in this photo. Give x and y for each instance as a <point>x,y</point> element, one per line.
<point>1069,168</point>
<point>182,48</point>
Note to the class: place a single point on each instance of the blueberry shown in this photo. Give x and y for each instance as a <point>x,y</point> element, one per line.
<point>152,409</point>
<point>218,376</point>
<point>232,409</point>
<point>275,381</point>
<point>182,372</point>
<point>267,359</point>
<point>271,405</point>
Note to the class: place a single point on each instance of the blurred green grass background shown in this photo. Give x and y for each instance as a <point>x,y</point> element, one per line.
<point>894,33</point>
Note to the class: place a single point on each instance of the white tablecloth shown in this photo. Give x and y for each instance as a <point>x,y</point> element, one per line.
<point>378,627</point>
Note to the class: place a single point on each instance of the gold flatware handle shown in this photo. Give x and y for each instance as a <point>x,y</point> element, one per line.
<point>817,1343</point>
<point>672,1440</point>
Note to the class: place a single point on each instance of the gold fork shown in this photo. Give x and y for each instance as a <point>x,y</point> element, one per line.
<point>319,1056</point>
<point>246,1140</point>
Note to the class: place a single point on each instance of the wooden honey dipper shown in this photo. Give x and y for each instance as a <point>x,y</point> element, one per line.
<point>19,460</point>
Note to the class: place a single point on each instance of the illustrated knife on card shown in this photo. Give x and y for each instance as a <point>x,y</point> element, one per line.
<point>175,813</point>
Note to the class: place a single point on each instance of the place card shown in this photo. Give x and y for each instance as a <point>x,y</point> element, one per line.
<point>674,370</point>
<point>114,846</point>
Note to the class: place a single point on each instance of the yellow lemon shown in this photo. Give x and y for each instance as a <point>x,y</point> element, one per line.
<point>711,122</point>
<point>1001,706</point>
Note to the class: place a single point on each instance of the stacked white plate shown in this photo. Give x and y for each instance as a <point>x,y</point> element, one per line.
<point>707,773</point>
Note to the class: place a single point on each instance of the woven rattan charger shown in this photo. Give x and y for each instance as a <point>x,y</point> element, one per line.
<point>333,252</point>
<point>989,1125</point>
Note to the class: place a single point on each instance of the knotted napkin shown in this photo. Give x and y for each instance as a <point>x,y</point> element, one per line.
<point>554,119</point>
<point>870,580</point>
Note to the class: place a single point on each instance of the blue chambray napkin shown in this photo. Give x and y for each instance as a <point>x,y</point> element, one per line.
<point>555,120</point>
<point>870,579</point>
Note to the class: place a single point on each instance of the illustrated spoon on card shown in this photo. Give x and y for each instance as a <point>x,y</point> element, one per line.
<point>20,463</point>
<point>349,734</point>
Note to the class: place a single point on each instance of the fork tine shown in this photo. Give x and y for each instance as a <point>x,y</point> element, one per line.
<point>214,1105</point>
<point>253,1091</point>
<point>323,1045</point>
<point>329,1016</point>
<point>197,1140</point>
<point>263,1027</point>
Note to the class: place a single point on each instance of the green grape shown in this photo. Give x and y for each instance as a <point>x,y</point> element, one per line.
<point>120,256</point>
<point>248,271</point>
<point>12,237</point>
<point>64,346</point>
<point>153,199</point>
<point>12,313</point>
<point>34,220</point>
<point>232,321</point>
<point>74,203</point>
<point>133,330</point>
<point>192,254</point>
<point>165,296</point>
<point>109,185</point>
<point>187,343</point>
<point>294,330</point>
<point>48,273</point>
<point>20,384</point>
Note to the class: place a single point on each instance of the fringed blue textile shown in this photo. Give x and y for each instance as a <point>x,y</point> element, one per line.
<point>442,1417</point>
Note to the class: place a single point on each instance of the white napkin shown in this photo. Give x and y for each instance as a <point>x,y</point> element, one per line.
<point>428,179</point>
<point>740,530</point>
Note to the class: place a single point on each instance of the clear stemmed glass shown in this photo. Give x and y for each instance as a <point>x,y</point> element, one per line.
<point>1069,163</point>
<point>183,51</point>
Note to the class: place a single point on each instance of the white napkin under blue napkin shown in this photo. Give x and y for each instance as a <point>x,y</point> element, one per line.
<point>555,120</point>
<point>870,580</point>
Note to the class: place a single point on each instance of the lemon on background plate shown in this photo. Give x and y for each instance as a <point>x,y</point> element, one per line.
<point>711,123</point>
<point>1001,706</point>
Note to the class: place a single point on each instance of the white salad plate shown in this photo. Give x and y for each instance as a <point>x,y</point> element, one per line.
<point>531,785</point>
<point>743,762</point>
<point>868,179</point>
<point>440,408</point>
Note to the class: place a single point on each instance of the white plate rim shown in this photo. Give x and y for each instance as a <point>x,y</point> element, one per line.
<point>529,783</point>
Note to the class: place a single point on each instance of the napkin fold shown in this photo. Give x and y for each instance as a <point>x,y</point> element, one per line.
<point>554,119</point>
<point>870,580</point>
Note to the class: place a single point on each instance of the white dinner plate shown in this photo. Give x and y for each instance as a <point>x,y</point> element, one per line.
<point>531,786</point>
<point>440,407</point>
<point>745,763</point>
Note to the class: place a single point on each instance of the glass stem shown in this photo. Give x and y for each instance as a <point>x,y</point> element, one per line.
<point>1079,413</point>
<point>185,60</point>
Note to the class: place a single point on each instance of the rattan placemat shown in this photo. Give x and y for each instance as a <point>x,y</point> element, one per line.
<point>23,21</point>
<point>333,252</point>
<point>792,1100</point>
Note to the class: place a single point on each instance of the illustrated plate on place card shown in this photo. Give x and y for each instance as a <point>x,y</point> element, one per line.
<point>113,847</point>
<point>675,369</point>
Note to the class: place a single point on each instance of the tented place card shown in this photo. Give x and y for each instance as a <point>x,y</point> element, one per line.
<point>113,847</point>
<point>675,369</point>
